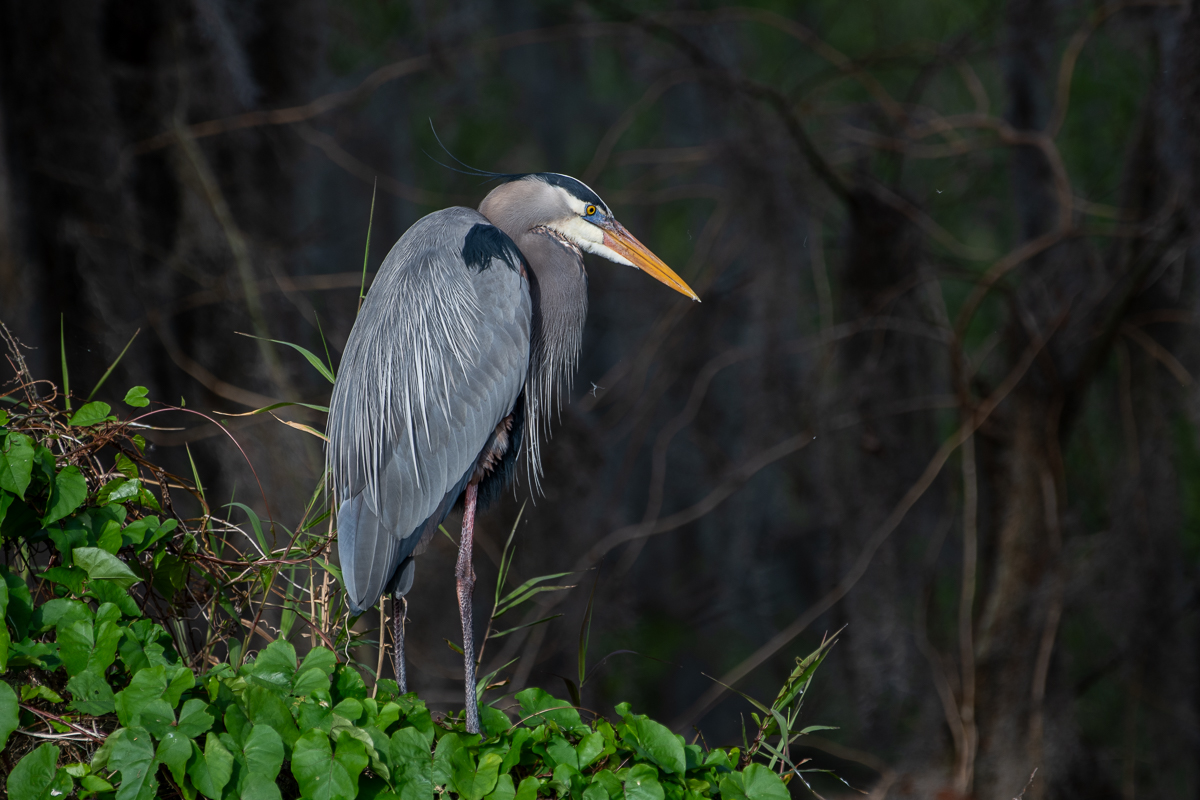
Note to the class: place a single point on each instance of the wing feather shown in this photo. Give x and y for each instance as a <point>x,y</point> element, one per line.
<point>436,359</point>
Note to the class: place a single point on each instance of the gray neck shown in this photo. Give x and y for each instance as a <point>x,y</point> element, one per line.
<point>558,285</point>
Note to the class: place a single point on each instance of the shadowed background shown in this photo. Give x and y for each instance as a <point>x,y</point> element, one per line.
<point>940,390</point>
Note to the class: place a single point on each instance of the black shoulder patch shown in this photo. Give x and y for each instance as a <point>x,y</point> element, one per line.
<point>485,242</point>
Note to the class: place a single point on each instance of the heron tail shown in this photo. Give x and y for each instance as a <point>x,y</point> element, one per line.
<point>372,559</point>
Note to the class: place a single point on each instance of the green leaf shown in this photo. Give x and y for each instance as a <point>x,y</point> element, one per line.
<point>68,494</point>
<point>755,783</point>
<point>32,692</point>
<point>659,744</point>
<point>5,641</point>
<point>6,500</point>
<point>641,783</point>
<point>90,414</point>
<point>528,789</point>
<point>91,693</point>
<point>411,764</point>
<point>312,358</point>
<point>132,755</point>
<point>70,577</point>
<point>595,791</point>
<point>174,750</point>
<point>275,666</point>
<point>561,751</point>
<point>264,752</point>
<point>118,490</point>
<point>9,712</point>
<point>211,769</point>
<point>471,781</point>
<point>495,721</point>
<point>16,463</point>
<point>19,608</point>
<point>157,717</point>
<point>112,592</point>
<point>145,645</point>
<point>321,658</point>
<point>264,707</point>
<point>33,777</point>
<point>504,789</point>
<point>194,718</point>
<point>527,590</point>
<point>103,566</point>
<point>136,397</point>
<point>166,682</point>
<point>324,775</point>
<point>589,748</point>
<point>535,704</point>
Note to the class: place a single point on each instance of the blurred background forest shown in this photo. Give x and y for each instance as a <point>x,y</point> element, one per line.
<point>940,390</point>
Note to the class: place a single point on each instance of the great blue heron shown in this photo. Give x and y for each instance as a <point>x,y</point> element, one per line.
<point>467,339</point>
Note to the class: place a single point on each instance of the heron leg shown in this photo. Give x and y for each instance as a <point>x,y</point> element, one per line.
<point>465,574</point>
<point>399,618</point>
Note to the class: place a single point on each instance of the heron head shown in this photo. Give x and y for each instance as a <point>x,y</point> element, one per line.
<point>568,209</point>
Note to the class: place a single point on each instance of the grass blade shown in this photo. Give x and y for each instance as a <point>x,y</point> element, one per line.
<point>62,345</point>
<point>362,289</point>
<point>585,632</point>
<point>312,357</point>
<point>111,367</point>
<point>526,625</point>
<point>272,407</point>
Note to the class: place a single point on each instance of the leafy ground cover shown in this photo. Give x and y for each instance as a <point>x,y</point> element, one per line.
<point>107,693</point>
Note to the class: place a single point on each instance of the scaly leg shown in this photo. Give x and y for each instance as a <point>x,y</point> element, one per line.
<point>465,574</point>
<point>399,617</point>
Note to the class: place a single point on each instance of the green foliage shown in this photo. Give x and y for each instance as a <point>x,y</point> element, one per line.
<point>84,556</point>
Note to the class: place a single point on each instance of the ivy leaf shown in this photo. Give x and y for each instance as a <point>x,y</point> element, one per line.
<point>90,414</point>
<point>194,718</point>
<point>104,566</point>
<point>35,776</point>
<point>68,493</point>
<point>165,682</point>
<point>19,608</point>
<point>174,750</point>
<point>264,707</point>
<point>642,784</point>
<point>132,755</point>
<point>136,397</point>
<point>91,693</point>
<point>504,789</point>
<point>9,712</point>
<point>275,666</point>
<point>16,463</point>
<point>71,577</point>
<point>411,764</point>
<point>4,637</point>
<point>534,700</point>
<point>324,775</point>
<point>210,770</point>
<point>589,748</point>
<point>660,745</point>
<point>528,789</point>
<point>264,752</point>
<point>157,717</point>
<point>473,782</point>
<point>755,783</point>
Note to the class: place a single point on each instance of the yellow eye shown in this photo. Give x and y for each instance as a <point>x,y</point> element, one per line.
<point>590,211</point>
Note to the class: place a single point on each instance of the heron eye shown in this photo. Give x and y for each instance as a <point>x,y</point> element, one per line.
<point>590,211</point>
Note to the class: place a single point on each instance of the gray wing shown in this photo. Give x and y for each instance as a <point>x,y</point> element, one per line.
<point>436,359</point>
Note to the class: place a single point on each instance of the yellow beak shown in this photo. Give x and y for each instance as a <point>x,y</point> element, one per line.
<point>622,242</point>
